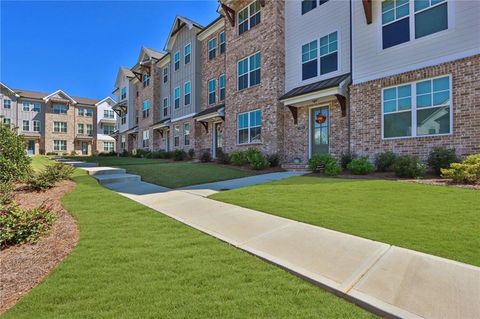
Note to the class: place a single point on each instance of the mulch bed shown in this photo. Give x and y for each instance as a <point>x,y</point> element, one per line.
<point>23,267</point>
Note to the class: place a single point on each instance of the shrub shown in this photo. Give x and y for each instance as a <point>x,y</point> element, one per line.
<point>94,153</point>
<point>346,158</point>
<point>111,153</point>
<point>238,158</point>
<point>206,157</point>
<point>49,176</point>
<point>139,153</point>
<point>222,157</point>
<point>360,166</point>
<point>39,183</point>
<point>384,161</point>
<point>65,153</point>
<point>52,153</point>
<point>257,161</point>
<point>73,153</point>
<point>274,160</point>
<point>5,192</point>
<point>19,226</point>
<point>408,166</point>
<point>14,162</point>
<point>328,162</point>
<point>179,155</point>
<point>441,157</point>
<point>191,153</point>
<point>124,153</point>
<point>466,172</point>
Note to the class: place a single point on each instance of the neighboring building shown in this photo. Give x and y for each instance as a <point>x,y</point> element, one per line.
<point>51,122</point>
<point>106,121</point>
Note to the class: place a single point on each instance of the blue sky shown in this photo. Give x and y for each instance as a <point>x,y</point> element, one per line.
<point>78,46</point>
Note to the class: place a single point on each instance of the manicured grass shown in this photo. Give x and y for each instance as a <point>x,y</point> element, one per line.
<point>39,162</point>
<point>171,174</point>
<point>438,220</point>
<point>133,262</point>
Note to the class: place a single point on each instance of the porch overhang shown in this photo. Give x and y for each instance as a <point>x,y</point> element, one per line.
<point>213,114</point>
<point>107,121</point>
<point>81,137</point>
<point>120,107</point>
<point>31,135</point>
<point>161,125</point>
<point>132,131</point>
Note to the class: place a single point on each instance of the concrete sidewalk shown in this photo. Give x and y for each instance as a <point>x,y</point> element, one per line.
<point>390,280</point>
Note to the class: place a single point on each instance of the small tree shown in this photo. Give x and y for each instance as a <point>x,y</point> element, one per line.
<point>14,162</point>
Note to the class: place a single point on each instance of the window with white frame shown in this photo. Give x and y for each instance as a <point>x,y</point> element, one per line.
<point>26,106</point>
<point>309,5</point>
<point>7,103</point>
<point>108,129</point>
<point>249,71</point>
<point>165,106</point>
<point>109,114</point>
<point>187,53</point>
<point>59,145</point>
<point>186,134</point>
<point>420,108</point>
<point>176,60</point>
<point>249,17</point>
<point>123,142</point>
<point>7,121</point>
<point>221,41</point>
<point>108,147</point>
<point>176,135</point>
<point>60,127</point>
<point>123,119</point>
<point>309,60</point>
<point>165,74</point>
<point>89,129</point>
<point>26,125</point>
<point>249,127</point>
<point>328,53</point>
<point>80,111</point>
<point>36,125</point>
<point>212,48</point>
<point>123,93</point>
<point>80,128</point>
<point>176,94</point>
<point>431,16</point>
<point>37,107</point>
<point>59,108</point>
<point>212,87</point>
<point>146,138</point>
<point>146,80</point>
<point>88,112</point>
<point>187,90</point>
<point>221,87</point>
<point>146,108</point>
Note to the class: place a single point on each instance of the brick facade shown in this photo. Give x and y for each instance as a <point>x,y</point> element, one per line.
<point>366,117</point>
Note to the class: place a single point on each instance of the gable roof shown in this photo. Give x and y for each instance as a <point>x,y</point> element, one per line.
<point>57,93</point>
<point>108,99</point>
<point>123,71</point>
<point>5,86</point>
<point>177,25</point>
<point>41,95</point>
<point>316,86</point>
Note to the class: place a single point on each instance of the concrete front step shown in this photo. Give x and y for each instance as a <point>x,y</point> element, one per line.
<point>117,178</point>
<point>295,166</point>
<point>80,164</point>
<point>96,171</point>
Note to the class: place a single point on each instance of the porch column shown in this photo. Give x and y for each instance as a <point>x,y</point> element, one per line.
<point>89,148</point>
<point>37,147</point>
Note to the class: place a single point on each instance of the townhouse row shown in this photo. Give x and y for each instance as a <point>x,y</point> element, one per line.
<point>59,123</point>
<point>297,78</point>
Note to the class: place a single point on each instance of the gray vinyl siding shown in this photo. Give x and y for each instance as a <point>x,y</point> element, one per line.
<point>10,113</point>
<point>31,115</point>
<point>165,90</point>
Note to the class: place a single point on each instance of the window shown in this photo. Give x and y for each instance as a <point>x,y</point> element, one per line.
<point>89,112</point>
<point>431,16</point>
<point>60,109</point>
<point>309,60</point>
<point>176,60</point>
<point>165,74</point>
<point>249,17</point>
<point>123,93</point>
<point>59,145</point>
<point>221,85</point>
<point>80,129</point>
<point>7,121</point>
<point>146,80</point>
<point>80,111</point>
<point>249,127</point>
<point>417,109</point>
<point>123,119</point>
<point>26,125</point>
<point>328,53</point>
<point>146,138</point>
<point>36,107</point>
<point>187,88</point>
<point>248,71</point>
<point>212,48</point>
<point>221,40</point>
<point>108,147</point>
<point>212,87</point>
<point>108,129</point>
<point>36,125</point>
<point>60,127</point>
<point>186,134</point>
<point>176,94</point>
<point>89,129</point>
<point>122,143</point>
<point>109,114</point>
<point>165,106</point>
<point>176,135</point>
<point>7,104</point>
<point>395,22</point>
<point>26,106</point>
<point>188,49</point>
<point>136,116</point>
<point>146,108</point>
<point>308,5</point>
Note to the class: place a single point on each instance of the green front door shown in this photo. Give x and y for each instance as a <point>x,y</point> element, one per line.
<point>319,130</point>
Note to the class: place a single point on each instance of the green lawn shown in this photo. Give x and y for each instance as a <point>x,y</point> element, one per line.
<point>39,162</point>
<point>438,220</point>
<point>171,174</point>
<point>133,262</point>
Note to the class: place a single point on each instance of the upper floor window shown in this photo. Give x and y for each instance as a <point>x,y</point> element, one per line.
<point>146,80</point>
<point>421,108</point>
<point>249,127</point>
<point>123,120</point>
<point>221,40</point>
<point>146,108</point>
<point>60,109</point>
<point>165,106</point>
<point>123,93</point>
<point>187,53</point>
<point>80,129</point>
<point>36,125</point>
<point>108,129</point>
<point>212,86</point>
<point>26,125</point>
<point>249,17</point>
<point>176,60</point>
<point>80,111</point>
<point>248,71</point>
<point>165,74</point>
<point>89,112</point>
<point>89,129</point>
<point>431,16</point>
<point>7,103</point>
<point>309,60</point>
<point>212,48</point>
<point>221,86</point>
<point>36,107</point>
<point>109,114</point>
<point>26,106</point>
<point>176,94</point>
<point>308,5</point>
<point>187,90</point>
<point>60,127</point>
<point>186,134</point>
<point>328,53</point>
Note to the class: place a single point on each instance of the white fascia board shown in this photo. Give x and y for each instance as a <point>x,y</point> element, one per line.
<point>211,30</point>
<point>48,97</point>
<point>293,101</point>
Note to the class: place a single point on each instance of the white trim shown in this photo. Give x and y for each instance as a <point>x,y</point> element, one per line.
<point>218,113</point>
<point>327,93</point>
<point>48,97</point>
<point>105,100</point>
<point>179,59</point>
<point>190,54</point>
<point>214,136</point>
<point>249,15</point>
<point>184,93</point>
<point>175,98</point>
<point>414,108</point>
<point>309,135</point>
<point>182,117</point>
<point>249,127</point>
<point>249,71</point>
<point>16,95</point>
<point>214,91</point>
<point>211,29</point>
<point>160,125</point>
<point>214,48</point>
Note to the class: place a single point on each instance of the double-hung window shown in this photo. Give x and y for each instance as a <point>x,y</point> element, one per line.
<point>176,60</point>
<point>123,119</point>
<point>7,103</point>
<point>308,5</point>
<point>59,109</point>
<point>187,90</point>
<point>89,112</point>
<point>80,129</point>
<point>80,111</point>
<point>417,109</point>
<point>431,16</point>
<point>123,142</point>
<point>249,17</point>
<point>187,53</point>
<point>109,114</point>
<point>146,138</point>
<point>26,125</point>
<point>212,87</point>
<point>89,129</point>
<point>176,94</point>
<point>123,93</point>
<point>60,127</point>
<point>146,108</point>
<point>108,147</point>
<point>7,121</point>
<point>108,129</point>
<point>249,127</point>
<point>146,80</point>
<point>26,106</point>
<point>248,71</point>
<point>36,125</point>
<point>186,134</point>
<point>165,106</point>
<point>36,107</point>
<point>176,135</point>
<point>309,60</point>
<point>395,22</point>
<point>165,74</point>
<point>221,41</point>
<point>59,145</point>
<point>221,87</point>
<point>212,48</point>
<point>328,53</point>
